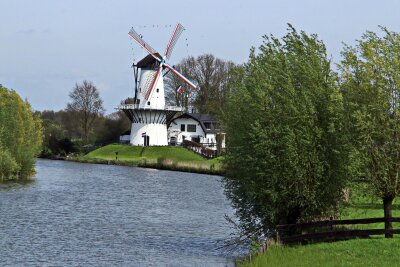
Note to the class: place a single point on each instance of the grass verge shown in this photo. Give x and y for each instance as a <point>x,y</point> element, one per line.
<point>163,157</point>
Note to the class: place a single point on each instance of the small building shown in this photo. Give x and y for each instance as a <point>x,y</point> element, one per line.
<point>200,128</point>
<point>125,137</point>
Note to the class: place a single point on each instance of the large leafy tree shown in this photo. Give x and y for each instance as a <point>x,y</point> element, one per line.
<point>370,80</point>
<point>213,77</point>
<point>286,148</point>
<point>20,136</point>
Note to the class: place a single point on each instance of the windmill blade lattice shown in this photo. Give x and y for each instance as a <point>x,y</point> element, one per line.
<point>180,75</point>
<point>174,39</point>
<point>155,79</point>
<point>147,84</point>
<point>138,38</point>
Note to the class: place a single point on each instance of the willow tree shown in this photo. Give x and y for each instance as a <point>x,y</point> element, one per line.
<point>20,136</point>
<point>286,148</point>
<point>370,78</point>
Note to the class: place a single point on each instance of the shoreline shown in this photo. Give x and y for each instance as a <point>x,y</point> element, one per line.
<point>163,165</point>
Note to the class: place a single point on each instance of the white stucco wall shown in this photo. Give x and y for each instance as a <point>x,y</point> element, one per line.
<point>157,99</point>
<point>175,130</point>
<point>156,132</point>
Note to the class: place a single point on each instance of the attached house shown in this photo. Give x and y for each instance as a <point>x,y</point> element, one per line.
<point>200,128</point>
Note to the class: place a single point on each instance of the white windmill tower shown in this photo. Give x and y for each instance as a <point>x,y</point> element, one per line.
<point>149,114</point>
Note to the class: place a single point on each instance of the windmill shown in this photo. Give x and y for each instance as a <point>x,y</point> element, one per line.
<point>148,113</point>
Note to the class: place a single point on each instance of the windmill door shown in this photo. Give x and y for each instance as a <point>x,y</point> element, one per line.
<point>146,140</point>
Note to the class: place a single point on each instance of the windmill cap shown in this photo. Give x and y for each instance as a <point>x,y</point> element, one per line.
<point>148,61</point>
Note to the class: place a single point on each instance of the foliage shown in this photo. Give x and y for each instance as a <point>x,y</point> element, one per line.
<point>109,128</point>
<point>286,155</point>
<point>20,135</point>
<point>211,74</point>
<point>9,168</point>
<point>370,80</point>
<point>87,105</point>
<point>54,140</point>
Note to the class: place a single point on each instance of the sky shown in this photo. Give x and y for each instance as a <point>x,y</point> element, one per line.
<point>47,46</point>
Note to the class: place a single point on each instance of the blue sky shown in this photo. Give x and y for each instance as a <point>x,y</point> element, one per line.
<point>46,46</point>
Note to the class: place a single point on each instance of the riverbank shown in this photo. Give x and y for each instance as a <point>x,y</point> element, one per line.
<point>164,158</point>
<point>375,251</point>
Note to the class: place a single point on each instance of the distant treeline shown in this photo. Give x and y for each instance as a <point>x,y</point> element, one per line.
<point>81,125</point>
<point>63,133</point>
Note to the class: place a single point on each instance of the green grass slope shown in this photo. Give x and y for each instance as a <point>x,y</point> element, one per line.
<point>125,153</point>
<point>357,252</point>
<point>174,153</point>
<point>163,157</point>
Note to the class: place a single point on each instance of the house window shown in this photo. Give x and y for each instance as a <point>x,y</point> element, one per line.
<point>191,128</point>
<point>207,125</point>
<point>182,127</point>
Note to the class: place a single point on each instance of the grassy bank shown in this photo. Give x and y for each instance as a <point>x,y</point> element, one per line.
<point>375,251</point>
<point>358,252</point>
<point>167,158</point>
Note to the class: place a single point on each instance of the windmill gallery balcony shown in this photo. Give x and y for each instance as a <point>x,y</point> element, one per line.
<point>157,107</point>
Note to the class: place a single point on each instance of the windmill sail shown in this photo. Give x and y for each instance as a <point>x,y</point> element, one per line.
<point>138,38</point>
<point>174,39</point>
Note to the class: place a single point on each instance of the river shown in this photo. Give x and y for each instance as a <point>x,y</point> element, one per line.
<point>75,214</point>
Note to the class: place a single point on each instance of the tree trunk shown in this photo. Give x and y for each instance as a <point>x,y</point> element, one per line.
<point>387,208</point>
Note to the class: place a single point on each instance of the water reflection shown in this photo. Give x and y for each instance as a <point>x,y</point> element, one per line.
<point>10,185</point>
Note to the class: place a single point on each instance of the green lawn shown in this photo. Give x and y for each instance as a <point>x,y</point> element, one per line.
<point>174,153</point>
<point>126,153</point>
<point>375,251</point>
<point>357,252</point>
<point>170,157</point>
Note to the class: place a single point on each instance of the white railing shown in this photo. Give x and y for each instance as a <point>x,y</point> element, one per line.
<point>137,106</point>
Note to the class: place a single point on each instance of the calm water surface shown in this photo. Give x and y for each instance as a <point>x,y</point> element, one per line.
<point>76,214</point>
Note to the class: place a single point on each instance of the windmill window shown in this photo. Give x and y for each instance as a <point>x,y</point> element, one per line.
<point>140,89</point>
<point>158,90</point>
<point>191,128</point>
<point>148,103</point>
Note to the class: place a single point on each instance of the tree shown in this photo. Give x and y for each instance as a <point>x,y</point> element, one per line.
<point>185,98</point>
<point>86,102</point>
<point>55,141</point>
<point>370,80</point>
<point>20,136</point>
<point>286,146</point>
<point>110,127</point>
<point>212,75</point>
